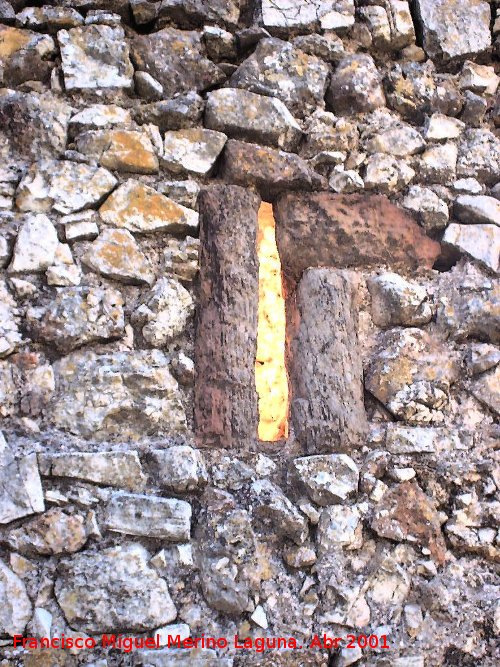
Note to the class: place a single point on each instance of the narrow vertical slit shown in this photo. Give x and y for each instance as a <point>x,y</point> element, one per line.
<point>270,372</point>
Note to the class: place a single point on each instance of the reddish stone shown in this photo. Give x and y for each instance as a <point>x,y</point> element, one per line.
<point>343,231</point>
<point>406,513</point>
<point>269,171</point>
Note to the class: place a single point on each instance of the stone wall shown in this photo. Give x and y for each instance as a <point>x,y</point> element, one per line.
<point>132,501</point>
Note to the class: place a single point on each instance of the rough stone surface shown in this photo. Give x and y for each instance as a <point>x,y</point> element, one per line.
<point>480,209</point>
<point>327,408</point>
<point>325,229</point>
<point>115,254</point>
<point>398,302</point>
<point>273,507</point>
<point>180,468</point>
<point>278,69</point>
<point>54,532</point>
<point>122,150</point>
<point>479,241</point>
<point>193,150</point>
<point>21,489</point>
<point>25,56</point>
<point>255,118</point>
<point>16,605</point>
<point>115,589</point>
<point>285,15</point>
<point>327,479</point>
<point>355,86</point>
<point>36,245</point>
<point>137,394</point>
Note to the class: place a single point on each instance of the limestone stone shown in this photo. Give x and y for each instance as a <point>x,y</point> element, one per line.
<point>278,69</point>
<point>78,316</point>
<point>191,13</point>
<point>431,211</point>
<point>283,15</point>
<point>9,393</point>
<point>184,193</point>
<point>161,518</point>
<point>179,113</point>
<point>482,357</point>
<point>49,19</point>
<point>176,59</point>
<point>10,336</point>
<point>25,56</point>
<point>453,29</point>
<point>147,87</point>
<point>479,156</point>
<point>325,132</point>
<point>410,89</point>
<point>99,116</point>
<point>268,170</point>
<point>16,606</point>
<point>487,390</point>
<point>137,395</point>
<point>95,56</point>
<point>387,174</point>
<point>377,20</point>
<point>339,527</point>
<point>405,513</point>
<point>21,488</point>
<point>256,118</point>
<point>36,245</point>
<point>180,468</point>
<point>482,242</point>
<point>398,302</point>
<point>46,115</point>
<point>411,373</point>
<point>63,186</point>
<point>329,47</point>
<point>80,226</point>
<point>480,209</point>
<point>140,208</point>
<point>180,258</point>
<point>439,163</point>
<point>399,140</point>
<point>164,313</point>
<point>120,150</point>
<point>272,507</point>
<point>479,78</point>
<point>113,590</point>
<point>425,440</point>
<point>469,305</point>
<point>116,254</point>
<point>346,181</point>
<point>51,533</point>
<point>327,479</point>
<point>192,150</point>
<point>356,86</point>
<point>324,229</point>
<point>219,43</point>
<point>443,128</point>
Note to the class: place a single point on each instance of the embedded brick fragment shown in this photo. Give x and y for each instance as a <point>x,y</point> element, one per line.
<point>225,394</point>
<point>325,370</point>
<point>325,229</point>
<point>269,171</point>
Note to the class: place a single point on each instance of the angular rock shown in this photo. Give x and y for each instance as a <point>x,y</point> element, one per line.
<point>405,513</point>
<point>325,229</point>
<point>115,254</point>
<point>160,518</point>
<point>431,211</point>
<point>195,13</point>
<point>334,418</point>
<point>49,19</point>
<point>482,357</point>
<point>10,336</point>
<point>398,302</point>
<point>99,116</point>
<point>35,247</point>
<point>469,305</point>
<point>176,59</point>
<point>120,469</point>
<point>410,89</point>
<point>479,156</point>
<point>179,113</point>
<point>180,258</point>
<point>327,479</point>
<point>480,209</point>
<point>192,150</point>
<point>164,312</point>
<point>479,78</point>
<point>80,315</point>
<point>21,489</point>
<point>454,29</point>
<point>15,604</point>
<point>278,69</point>
<point>329,48</point>
<point>425,440</point>
<point>220,44</point>
<point>225,409</point>
<point>482,242</point>
<point>269,171</point>
<point>63,186</point>
<point>95,56</point>
<point>184,193</point>
<point>139,208</point>
<point>180,468</point>
<point>137,395</point>
<point>285,15</point>
<point>487,390</point>
<point>439,163</point>
<point>252,117</point>
<point>272,506</point>
<point>346,181</point>
<point>147,86</point>
<point>411,373</point>
<point>399,140</point>
<point>356,86</point>
<point>54,532</point>
<point>443,128</point>
<point>326,132</point>
<point>120,150</point>
<point>339,527</point>
<point>387,174</point>
<point>25,56</point>
<point>113,590</point>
